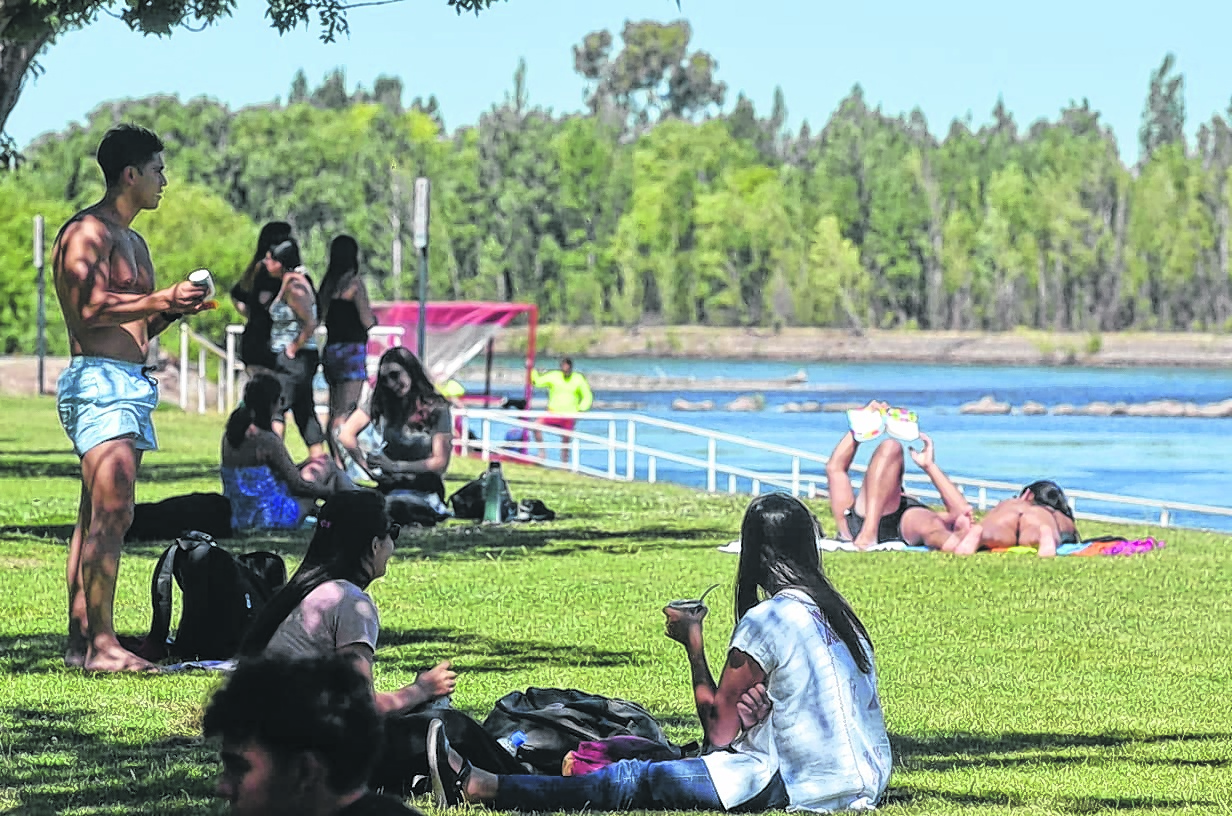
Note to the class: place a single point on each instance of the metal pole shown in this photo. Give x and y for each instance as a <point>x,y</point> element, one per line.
<point>423,302</point>
<point>42,300</point>
<point>423,190</point>
<point>487,376</point>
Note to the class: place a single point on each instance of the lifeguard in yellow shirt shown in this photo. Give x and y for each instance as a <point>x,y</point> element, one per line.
<point>568,393</point>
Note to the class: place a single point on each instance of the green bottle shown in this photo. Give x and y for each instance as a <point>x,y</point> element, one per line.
<point>493,492</point>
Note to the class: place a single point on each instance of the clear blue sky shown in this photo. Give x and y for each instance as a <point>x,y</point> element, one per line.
<point>950,57</point>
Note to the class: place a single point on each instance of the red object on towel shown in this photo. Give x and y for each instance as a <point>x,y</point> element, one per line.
<point>591,756</point>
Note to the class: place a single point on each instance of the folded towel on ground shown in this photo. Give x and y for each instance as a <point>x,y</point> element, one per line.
<point>1104,545</point>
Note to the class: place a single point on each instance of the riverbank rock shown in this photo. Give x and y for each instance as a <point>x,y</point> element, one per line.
<point>1157,408</point>
<point>1212,410</point>
<point>800,376</point>
<point>840,407</point>
<point>682,404</point>
<point>985,406</point>
<point>618,405</point>
<point>1032,408</point>
<point>746,403</point>
<point>807,407</point>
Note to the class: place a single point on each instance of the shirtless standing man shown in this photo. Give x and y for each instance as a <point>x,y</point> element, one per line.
<point>882,511</point>
<point>105,283</point>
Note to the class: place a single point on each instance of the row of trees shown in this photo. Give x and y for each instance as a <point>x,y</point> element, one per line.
<point>655,207</point>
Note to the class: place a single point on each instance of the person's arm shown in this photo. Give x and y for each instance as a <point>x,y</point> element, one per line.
<point>299,298</point>
<point>273,454</point>
<point>955,502</point>
<point>84,267</point>
<point>429,685</point>
<point>348,437</point>
<point>719,706</point>
<point>541,379</point>
<point>586,397</point>
<point>366,317</point>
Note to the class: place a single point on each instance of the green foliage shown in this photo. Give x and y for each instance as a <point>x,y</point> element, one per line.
<point>646,211</point>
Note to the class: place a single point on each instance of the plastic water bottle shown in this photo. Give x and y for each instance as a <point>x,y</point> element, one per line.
<point>513,742</point>
<point>493,493</point>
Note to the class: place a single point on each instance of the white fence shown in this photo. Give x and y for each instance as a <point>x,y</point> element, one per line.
<point>618,446</point>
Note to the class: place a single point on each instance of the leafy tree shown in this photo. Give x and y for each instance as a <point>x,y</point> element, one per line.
<point>654,76</point>
<point>26,28</point>
<point>1163,117</point>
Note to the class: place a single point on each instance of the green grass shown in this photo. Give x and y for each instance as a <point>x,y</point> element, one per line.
<point>1009,683</point>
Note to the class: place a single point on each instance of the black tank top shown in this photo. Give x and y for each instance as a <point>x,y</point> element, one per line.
<point>342,323</point>
<point>254,342</point>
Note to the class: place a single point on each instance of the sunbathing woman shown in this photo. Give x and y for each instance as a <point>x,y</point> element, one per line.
<point>412,420</point>
<point>325,609</point>
<point>1039,517</point>
<point>267,490</point>
<point>822,745</point>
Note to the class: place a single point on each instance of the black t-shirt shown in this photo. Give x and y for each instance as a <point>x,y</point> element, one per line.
<point>374,804</point>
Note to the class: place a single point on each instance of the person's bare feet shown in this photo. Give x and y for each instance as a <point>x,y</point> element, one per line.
<point>107,655</point>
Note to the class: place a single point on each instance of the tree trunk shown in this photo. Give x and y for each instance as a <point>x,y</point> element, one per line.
<point>15,61</point>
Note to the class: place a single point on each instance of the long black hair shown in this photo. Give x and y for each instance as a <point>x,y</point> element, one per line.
<point>778,550</point>
<point>422,399</point>
<point>1049,494</point>
<point>343,260</point>
<point>261,397</point>
<point>346,525</point>
<point>272,234</point>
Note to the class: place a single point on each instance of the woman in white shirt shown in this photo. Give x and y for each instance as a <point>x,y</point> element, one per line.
<point>795,721</point>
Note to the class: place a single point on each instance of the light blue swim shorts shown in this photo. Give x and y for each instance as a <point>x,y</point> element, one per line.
<point>100,399</point>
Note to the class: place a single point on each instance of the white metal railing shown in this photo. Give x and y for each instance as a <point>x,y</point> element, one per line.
<point>625,455</point>
<point>189,337</point>
<point>230,366</point>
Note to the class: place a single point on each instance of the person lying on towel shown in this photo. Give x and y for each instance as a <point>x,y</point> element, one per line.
<point>881,511</point>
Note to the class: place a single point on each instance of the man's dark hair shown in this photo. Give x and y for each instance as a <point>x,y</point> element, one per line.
<point>321,705</point>
<point>566,361</point>
<point>126,146</point>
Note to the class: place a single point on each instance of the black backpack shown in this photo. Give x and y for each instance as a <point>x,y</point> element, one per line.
<point>556,721</point>
<point>221,594</point>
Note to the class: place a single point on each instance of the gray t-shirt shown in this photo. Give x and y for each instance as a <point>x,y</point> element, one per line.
<point>334,615</point>
<point>403,444</point>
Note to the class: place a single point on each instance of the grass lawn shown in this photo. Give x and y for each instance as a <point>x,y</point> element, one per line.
<point>1009,683</point>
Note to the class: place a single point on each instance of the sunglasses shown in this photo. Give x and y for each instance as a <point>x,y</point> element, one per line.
<point>390,377</point>
<point>393,531</point>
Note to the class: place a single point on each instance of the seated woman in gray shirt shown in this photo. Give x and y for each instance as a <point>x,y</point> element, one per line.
<point>413,422</point>
<point>325,608</point>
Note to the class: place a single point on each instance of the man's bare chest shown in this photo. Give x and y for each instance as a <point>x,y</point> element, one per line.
<point>132,271</point>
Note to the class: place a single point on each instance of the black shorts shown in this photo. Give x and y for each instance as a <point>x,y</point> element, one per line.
<point>890,528</point>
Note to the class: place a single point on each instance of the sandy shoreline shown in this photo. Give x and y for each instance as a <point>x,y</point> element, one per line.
<point>1019,348</point>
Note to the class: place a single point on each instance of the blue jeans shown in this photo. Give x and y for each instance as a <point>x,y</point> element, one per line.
<point>631,784</point>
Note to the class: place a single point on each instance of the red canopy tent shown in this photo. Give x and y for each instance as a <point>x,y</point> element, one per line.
<point>455,331</point>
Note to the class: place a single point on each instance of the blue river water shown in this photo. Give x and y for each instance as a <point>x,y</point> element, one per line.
<point>1178,459</point>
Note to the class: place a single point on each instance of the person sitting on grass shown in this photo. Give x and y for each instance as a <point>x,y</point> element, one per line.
<point>413,422</point>
<point>325,609</point>
<point>1039,517</point>
<point>882,511</point>
<point>819,744</point>
<point>298,738</point>
<point>267,490</point>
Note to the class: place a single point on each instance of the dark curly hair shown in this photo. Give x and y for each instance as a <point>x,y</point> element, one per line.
<point>322,705</point>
